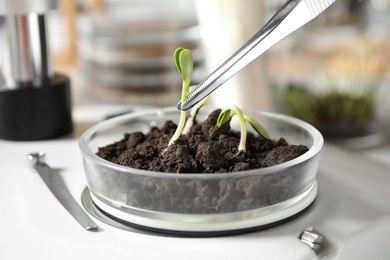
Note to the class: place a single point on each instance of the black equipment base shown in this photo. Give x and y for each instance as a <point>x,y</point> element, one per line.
<point>38,113</point>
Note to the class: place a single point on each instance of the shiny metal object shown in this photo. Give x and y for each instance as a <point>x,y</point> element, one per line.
<point>312,238</point>
<point>57,186</point>
<point>318,242</point>
<point>26,58</point>
<point>293,15</point>
<point>26,53</point>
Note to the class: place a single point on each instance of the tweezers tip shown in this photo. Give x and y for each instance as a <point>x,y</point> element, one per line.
<point>179,105</point>
<point>184,106</point>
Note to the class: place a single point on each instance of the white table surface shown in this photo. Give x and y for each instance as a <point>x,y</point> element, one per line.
<point>352,210</point>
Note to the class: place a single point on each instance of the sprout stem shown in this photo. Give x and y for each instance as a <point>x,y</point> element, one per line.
<point>184,64</point>
<point>182,120</point>
<point>228,113</point>
<point>242,144</point>
<point>191,119</point>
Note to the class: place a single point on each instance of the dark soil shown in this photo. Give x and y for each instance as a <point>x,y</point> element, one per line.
<point>204,150</point>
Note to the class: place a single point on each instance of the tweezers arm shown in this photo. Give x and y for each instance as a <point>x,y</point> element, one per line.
<point>293,15</point>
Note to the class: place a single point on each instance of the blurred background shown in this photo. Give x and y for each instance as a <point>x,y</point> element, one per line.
<point>333,72</point>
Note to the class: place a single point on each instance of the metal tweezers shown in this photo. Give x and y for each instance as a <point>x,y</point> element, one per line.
<point>291,16</point>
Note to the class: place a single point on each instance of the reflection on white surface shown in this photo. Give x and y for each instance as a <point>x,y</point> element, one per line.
<point>370,243</point>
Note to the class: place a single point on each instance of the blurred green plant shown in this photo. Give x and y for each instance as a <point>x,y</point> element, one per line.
<point>347,80</point>
<point>330,106</point>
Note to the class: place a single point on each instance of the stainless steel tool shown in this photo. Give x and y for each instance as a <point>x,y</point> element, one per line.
<point>291,16</point>
<point>57,186</point>
<point>26,54</point>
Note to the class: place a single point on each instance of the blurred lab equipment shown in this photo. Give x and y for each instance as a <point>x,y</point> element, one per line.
<point>125,50</point>
<point>34,101</point>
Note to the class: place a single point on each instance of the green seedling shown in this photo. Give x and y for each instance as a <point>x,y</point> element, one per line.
<point>184,64</point>
<point>233,110</point>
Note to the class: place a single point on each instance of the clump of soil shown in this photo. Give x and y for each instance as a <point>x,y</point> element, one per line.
<point>204,150</point>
